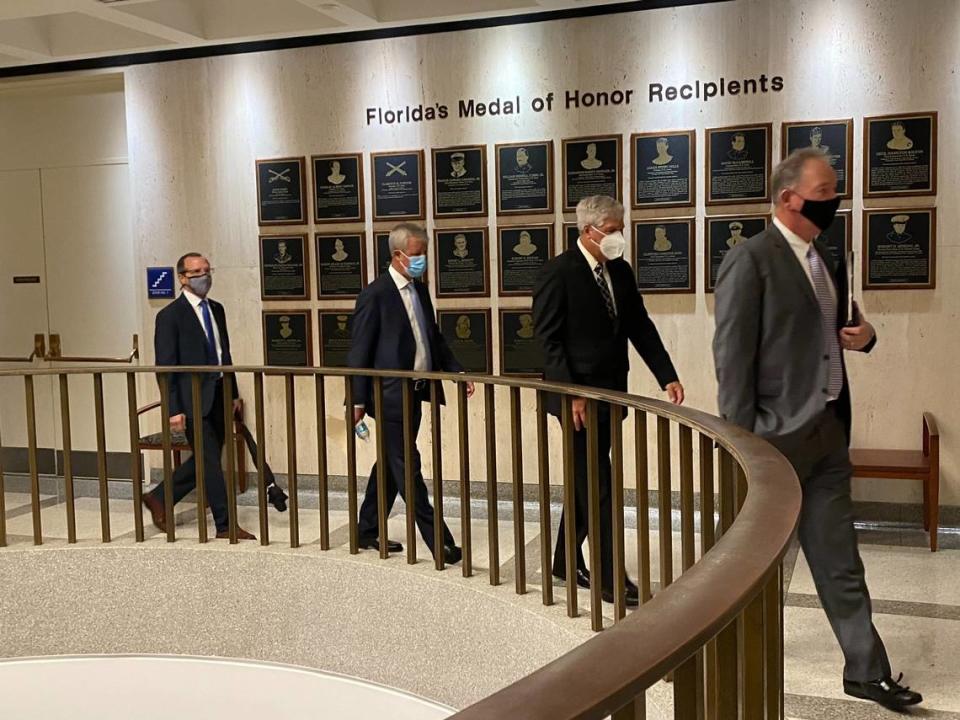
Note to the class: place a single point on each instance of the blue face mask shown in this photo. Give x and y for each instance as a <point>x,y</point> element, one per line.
<point>416,265</point>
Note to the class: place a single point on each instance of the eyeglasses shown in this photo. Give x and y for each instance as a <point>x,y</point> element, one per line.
<point>197,273</point>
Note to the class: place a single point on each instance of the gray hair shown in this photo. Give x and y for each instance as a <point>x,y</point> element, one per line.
<point>788,173</point>
<point>402,233</point>
<point>593,210</point>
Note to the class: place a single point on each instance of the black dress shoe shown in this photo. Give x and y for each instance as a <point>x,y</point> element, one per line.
<point>583,578</point>
<point>374,544</point>
<point>629,600</point>
<point>277,498</point>
<point>886,691</point>
<point>452,554</point>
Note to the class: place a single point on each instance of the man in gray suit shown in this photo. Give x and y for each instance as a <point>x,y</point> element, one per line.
<point>778,348</point>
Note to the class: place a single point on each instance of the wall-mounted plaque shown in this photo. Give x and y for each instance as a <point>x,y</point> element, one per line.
<point>398,185</point>
<point>723,233</point>
<point>335,328</point>
<point>738,164</point>
<point>524,250</point>
<point>664,168</point>
<point>838,237</point>
<point>834,138</point>
<point>467,332</point>
<point>281,193</point>
<point>663,255</point>
<point>381,252</point>
<point>341,264</point>
<point>338,188</point>
<point>521,352</point>
<point>571,233</point>
<point>900,155</point>
<point>900,249</point>
<point>461,265</point>
<point>460,181</point>
<point>287,338</point>
<point>591,166</point>
<point>284,273</point>
<point>525,178</point>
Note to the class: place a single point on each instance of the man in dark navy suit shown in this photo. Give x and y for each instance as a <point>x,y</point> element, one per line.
<point>395,328</point>
<point>586,308</point>
<point>192,330</point>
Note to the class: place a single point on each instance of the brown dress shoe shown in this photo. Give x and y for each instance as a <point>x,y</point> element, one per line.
<point>156,511</point>
<point>241,534</point>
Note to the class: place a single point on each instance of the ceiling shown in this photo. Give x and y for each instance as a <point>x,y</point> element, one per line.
<point>46,31</point>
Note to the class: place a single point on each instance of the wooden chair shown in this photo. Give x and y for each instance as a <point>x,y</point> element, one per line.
<point>180,445</point>
<point>923,465</point>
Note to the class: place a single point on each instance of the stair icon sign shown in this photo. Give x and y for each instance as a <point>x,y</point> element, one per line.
<point>160,278</point>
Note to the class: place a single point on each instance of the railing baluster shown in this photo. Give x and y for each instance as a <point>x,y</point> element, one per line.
<point>493,534</point>
<point>569,538</point>
<point>32,459</point>
<point>773,644</point>
<point>230,444</point>
<point>437,455</point>
<point>466,536</point>
<point>709,651</point>
<point>261,458</point>
<point>3,500</point>
<point>292,482</point>
<point>752,659</point>
<point>169,520</point>
<point>383,465</point>
<point>664,502</point>
<point>543,478</point>
<point>687,531</point>
<point>136,466</point>
<point>68,462</point>
<point>634,710</point>
<point>351,442</point>
<point>593,516</point>
<point>685,690</point>
<point>101,457</point>
<point>199,458</point>
<point>516,446</point>
<point>616,502</point>
<point>322,488</point>
<point>410,492</point>
<point>643,503</point>
<point>727,661</point>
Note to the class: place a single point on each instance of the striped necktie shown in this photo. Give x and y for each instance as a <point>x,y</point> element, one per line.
<point>828,318</point>
<point>605,291</point>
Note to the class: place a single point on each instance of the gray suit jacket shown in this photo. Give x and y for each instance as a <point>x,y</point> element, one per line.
<point>768,347</point>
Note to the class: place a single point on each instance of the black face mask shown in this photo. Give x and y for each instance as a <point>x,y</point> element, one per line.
<point>820,212</point>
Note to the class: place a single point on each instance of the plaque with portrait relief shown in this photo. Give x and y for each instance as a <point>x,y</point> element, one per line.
<point>521,352</point>
<point>281,194</point>
<point>834,138</point>
<point>723,233</point>
<point>900,249</point>
<point>284,269</point>
<point>525,178</point>
<point>335,328</point>
<point>341,264</point>
<point>381,252</point>
<point>900,155</point>
<point>287,338</point>
<point>460,181</point>
<point>664,168</point>
<point>663,255</point>
<point>462,267</point>
<point>398,185</point>
<point>338,188</point>
<point>591,166</point>
<point>467,333</point>
<point>738,164</point>
<point>523,251</point>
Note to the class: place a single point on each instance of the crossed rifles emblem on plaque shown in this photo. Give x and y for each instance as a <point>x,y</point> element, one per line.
<point>396,169</point>
<point>274,175</point>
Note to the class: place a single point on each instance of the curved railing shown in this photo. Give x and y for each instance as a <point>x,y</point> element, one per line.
<point>714,627</point>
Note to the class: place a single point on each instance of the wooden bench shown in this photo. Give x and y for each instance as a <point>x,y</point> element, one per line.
<point>923,465</point>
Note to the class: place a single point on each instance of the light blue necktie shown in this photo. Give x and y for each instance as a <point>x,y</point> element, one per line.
<point>828,317</point>
<point>211,338</point>
<point>421,320</point>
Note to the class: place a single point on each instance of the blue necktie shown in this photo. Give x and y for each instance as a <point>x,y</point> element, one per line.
<point>421,320</point>
<point>828,316</point>
<point>211,338</point>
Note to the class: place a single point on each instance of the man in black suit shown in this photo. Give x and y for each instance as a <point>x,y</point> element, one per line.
<point>192,330</point>
<point>395,328</point>
<point>586,307</point>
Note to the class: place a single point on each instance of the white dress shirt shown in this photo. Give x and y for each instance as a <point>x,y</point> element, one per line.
<point>800,248</point>
<point>592,262</point>
<point>421,361</point>
<point>195,303</point>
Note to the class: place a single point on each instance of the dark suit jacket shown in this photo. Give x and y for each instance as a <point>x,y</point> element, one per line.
<point>768,346</point>
<point>179,339</point>
<point>581,344</point>
<point>382,339</point>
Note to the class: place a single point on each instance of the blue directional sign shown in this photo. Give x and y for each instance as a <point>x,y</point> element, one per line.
<point>159,283</point>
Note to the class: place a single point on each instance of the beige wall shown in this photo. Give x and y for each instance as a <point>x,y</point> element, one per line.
<point>196,127</point>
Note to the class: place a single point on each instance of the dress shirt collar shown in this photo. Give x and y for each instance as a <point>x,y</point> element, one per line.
<point>591,260</point>
<point>398,278</point>
<point>194,300</point>
<point>799,245</point>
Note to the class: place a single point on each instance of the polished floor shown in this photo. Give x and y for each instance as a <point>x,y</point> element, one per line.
<point>916,603</point>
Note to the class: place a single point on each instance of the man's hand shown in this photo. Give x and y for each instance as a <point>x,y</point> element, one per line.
<point>238,409</point>
<point>675,393</point>
<point>178,423</point>
<point>858,337</point>
<point>470,389</point>
<point>358,413</point>
<point>579,413</point>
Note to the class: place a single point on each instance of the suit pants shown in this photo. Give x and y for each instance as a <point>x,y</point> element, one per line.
<point>829,541</point>
<point>581,503</point>
<point>395,463</point>
<point>185,476</point>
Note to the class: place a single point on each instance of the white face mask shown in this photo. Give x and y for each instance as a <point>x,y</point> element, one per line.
<point>612,245</point>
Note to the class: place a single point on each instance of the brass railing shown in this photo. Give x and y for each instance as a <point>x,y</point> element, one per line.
<point>715,627</point>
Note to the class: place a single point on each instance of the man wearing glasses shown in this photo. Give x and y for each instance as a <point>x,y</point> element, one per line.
<point>192,330</point>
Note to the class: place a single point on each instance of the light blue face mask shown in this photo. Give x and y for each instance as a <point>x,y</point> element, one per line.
<point>417,264</point>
